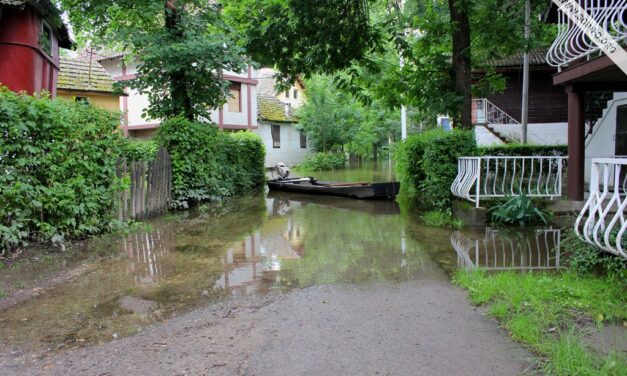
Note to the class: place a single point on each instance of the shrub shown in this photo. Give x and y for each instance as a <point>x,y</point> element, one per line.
<point>524,150</point>
<point>427,162</point>
<point>517,210</point>
<point>207,164</point>
<point>135,149</point>
<point>322,161</point>
<point>58,161</point>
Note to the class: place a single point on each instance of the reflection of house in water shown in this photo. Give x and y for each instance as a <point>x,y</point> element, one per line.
<point>505,250</point>
<point>149,256</point>
<point>253,263</point>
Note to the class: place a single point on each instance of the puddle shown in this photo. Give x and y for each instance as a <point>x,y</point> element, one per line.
<point>254,245</point>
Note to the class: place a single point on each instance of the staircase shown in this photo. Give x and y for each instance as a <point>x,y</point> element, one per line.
<point>487,114</point>
<point>595,104</point>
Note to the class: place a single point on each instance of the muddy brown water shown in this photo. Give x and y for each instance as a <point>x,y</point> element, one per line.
<point>263,243</point>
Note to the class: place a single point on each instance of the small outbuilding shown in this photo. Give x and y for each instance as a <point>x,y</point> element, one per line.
<point>31,32</point>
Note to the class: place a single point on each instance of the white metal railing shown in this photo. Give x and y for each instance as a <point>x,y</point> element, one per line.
<point>571,42</point>
<point>486,112</point>
<point>490,177</point>
<point>500,250</point>
<point>602,220</point>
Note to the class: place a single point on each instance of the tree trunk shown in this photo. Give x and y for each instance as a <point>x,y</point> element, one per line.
<point>461,60</point>
<point>177,79</point>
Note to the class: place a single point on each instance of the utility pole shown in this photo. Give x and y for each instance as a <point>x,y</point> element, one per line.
<point>525,91</point>
<point>403,108</point>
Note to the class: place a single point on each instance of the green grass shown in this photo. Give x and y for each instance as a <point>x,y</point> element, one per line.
<point>541,311</point>
<point>442,219</point>
<point>2,294</point>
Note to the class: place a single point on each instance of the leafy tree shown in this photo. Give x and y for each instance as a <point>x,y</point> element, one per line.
<point>183,47</point>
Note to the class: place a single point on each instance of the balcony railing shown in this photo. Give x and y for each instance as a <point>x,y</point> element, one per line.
<point>571,42</point>
<point>501,250</point>
<point>490,177</point>
<point>602,220</point>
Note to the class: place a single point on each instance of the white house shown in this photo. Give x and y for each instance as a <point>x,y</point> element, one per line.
<point>277,127</point>
<point>239,113</point>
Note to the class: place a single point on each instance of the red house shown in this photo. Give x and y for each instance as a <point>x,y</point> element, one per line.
<point>31,32</point>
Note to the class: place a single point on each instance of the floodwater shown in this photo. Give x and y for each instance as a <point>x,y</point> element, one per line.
<point>270,242</point>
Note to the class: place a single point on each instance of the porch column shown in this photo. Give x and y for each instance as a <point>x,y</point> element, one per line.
<point>576,145</point>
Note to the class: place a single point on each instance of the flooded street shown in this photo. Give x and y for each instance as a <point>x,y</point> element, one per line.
<point>259,247</point>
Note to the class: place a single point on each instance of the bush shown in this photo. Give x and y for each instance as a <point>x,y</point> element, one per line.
<point>525,150</point>
<point>58,161</point>
<point>134,149</point>
<point>207,164</point>
<point>427,162</point>
<point>322,161</point>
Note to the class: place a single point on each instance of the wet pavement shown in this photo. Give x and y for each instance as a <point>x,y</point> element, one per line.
<point>319,266</point>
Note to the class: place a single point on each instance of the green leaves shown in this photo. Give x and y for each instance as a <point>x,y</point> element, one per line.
<point>59,168</point>
<point>208,164</point>
<point>518,210</point>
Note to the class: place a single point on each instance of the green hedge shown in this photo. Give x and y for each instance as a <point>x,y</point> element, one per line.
<point>524,150</point>
<point>134,149</point>
<point>207,164</point>
<point>322,161</point>
<point>427,163</point>
<point>58,161</point>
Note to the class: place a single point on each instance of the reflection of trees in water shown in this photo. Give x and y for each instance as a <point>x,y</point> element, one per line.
<point>509,250</point>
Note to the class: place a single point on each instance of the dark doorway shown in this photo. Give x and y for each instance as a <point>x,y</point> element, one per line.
<point>620,138</point>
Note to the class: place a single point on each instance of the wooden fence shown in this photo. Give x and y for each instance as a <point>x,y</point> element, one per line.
<point>151,185</point>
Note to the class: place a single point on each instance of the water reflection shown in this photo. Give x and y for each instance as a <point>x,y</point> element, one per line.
<point>256,245</point>
<point>498,249</point>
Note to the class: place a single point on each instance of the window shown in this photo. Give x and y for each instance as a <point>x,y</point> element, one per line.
<point>295,93</point>
<point>82,100</point>
<point>45,39</point>
<point>303,140</point>
<point>235,98</point>
<point>276,136</point>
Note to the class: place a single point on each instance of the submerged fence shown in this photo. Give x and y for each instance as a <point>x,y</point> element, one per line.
<point>602,221</point>
<point>150,186</point>
<point>490,177</point>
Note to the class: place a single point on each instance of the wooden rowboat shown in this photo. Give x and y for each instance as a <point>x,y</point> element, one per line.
<point>359,190</point>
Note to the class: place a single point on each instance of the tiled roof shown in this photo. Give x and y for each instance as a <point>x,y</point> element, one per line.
<point>106,55</point>
<point>272,109</point>
<point>75,74</point>
<point>536,57</point>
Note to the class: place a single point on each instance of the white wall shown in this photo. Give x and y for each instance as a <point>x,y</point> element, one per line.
<point>601,142</point>
<point>537,133</point>
<point>290,151</point>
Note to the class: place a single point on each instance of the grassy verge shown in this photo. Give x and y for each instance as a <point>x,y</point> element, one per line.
<point>547,312</point>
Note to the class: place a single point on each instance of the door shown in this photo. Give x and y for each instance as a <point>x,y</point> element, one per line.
<point>620,137</point>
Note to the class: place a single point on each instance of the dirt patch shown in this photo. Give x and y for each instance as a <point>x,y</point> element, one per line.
<point>608,339</point>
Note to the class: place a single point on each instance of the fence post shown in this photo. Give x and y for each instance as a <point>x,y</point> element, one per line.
<point>478,182</point>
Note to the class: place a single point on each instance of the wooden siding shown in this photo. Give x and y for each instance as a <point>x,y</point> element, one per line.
<point>547,103</point>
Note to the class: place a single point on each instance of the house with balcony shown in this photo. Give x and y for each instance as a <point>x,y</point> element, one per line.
<point>497,117</point>
<point>596,90</point>
<point>31,33</point>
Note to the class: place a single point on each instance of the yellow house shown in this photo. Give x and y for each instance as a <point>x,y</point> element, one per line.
<point>83,80</point>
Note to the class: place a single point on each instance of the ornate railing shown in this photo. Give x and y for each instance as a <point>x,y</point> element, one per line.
<point>490,177</point>
<point>501,250</point>
<point>571,43</point>
<point>602,220</point>
<point>486,112</point>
